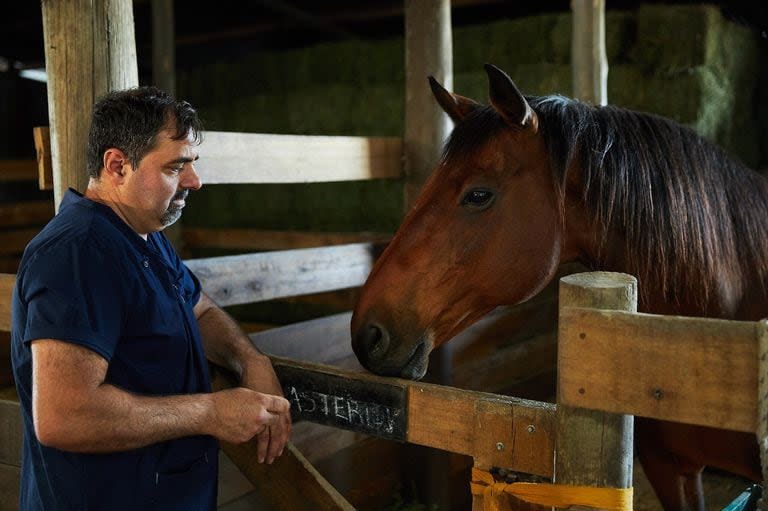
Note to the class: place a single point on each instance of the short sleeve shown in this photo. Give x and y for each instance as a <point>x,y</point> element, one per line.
<point>75,293</point>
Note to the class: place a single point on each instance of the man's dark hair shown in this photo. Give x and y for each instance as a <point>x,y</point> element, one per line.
<point>131,119</point>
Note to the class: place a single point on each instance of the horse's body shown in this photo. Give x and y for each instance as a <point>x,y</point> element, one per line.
<point>527,184</point>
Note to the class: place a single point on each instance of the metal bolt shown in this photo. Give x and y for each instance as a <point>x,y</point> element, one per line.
<point>499,446</point>
<point>658,394</point>
<point>531,428</point>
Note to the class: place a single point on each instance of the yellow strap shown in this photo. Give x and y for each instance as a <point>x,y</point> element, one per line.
<point>546,494</point>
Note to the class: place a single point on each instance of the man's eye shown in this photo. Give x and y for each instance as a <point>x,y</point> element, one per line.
<point>477,198</point>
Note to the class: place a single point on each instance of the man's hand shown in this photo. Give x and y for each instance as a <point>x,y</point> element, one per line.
<point>259,375</point>
<point>241,414</point>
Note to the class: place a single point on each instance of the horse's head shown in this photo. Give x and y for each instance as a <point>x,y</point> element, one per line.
<point>486,230</point>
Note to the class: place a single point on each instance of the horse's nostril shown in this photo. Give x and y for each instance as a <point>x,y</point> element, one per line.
<point>374,341</point>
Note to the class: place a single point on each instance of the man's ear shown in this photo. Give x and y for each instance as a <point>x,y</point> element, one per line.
<point>115,164</point>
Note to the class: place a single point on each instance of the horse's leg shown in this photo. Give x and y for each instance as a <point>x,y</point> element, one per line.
<point>677,485</point>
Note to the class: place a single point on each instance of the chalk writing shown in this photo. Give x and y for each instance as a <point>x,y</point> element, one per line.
<point>344,411</point>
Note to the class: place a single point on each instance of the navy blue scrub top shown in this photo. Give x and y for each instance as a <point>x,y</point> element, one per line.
<point>89,279</point>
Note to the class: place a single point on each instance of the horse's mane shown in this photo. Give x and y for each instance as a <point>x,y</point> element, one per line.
<point>687,211</point>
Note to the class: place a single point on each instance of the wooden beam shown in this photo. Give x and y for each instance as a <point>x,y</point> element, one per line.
<point>163,45</point>
<point>90,49</point>
<point>428,52</point>
<point>496,430</point>
<point>42,137</point>
<point>18,170</point>
<point>14,214</point>
<point>693,370</point>
<point>232,280</point>
<point>594,448</point>
<point>589,63</point>
<point>13,242</point>
<point>7,280</point>
<point>296,158</point>
<point>258,239</point>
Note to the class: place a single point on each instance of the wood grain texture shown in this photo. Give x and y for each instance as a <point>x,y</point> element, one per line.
<point>42,137</point>
<point>594,448</point>
<point>247,278</point>
<point>90,49</point>
<point>428,52</point>
<point>296,158</point>
<point>693,370</point>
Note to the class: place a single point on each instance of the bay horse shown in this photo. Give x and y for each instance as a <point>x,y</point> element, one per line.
<point>526,184</point>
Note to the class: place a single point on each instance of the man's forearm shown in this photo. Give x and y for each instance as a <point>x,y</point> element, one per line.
<point>110,419</point>
<point>225,343</point>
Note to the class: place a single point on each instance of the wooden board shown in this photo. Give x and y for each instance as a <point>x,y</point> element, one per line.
<point>10,432</point>
<point>42,136</point>
<point>18,170</point>
<point>296,158</point>
<point>13,214</point>
<point>693,370</point>
<point>14,242</point>
<point>7,280</point>
<point>324,340</point>
<point>256,239</point>
<point>496,430</point>
<point>248,278</point>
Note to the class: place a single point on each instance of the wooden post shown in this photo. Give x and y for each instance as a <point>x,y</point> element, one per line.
<point>428,52</point>
<point>762,407</point>
<point>595,448</point>
<point>589,63</point>
<point>90,49</point>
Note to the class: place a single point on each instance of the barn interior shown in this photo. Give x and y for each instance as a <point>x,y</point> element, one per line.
<point>336,68</point>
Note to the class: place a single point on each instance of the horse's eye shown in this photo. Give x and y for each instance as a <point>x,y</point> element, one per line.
<point>477,198</point>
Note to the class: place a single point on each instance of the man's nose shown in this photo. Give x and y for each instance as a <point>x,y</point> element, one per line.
<point>191,179</point>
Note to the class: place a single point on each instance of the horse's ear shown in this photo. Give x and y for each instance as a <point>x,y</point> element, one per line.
<point>457,107</point>
<point>507,99</point>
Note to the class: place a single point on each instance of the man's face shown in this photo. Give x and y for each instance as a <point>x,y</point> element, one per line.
<point>153,195</point>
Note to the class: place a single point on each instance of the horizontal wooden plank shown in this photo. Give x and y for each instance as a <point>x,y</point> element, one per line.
<point>296,158</point>
<point>323,340</point>
<point>256,239</point>
<point>10,432</point>
<point>18,170</point>
<point>25,213</point>
<point>14,241</point>
<point>495,430</point>
<point>7,280</point>
<point>248,278</point>
<point>692,370</point>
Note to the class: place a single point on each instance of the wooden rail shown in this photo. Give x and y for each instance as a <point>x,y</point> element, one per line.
<point>495,430</point>
<point>232,280</point>
<point>227,157</point>
<point>694,370</point>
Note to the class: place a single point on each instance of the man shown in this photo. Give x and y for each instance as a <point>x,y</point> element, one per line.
<point>111,332</point>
